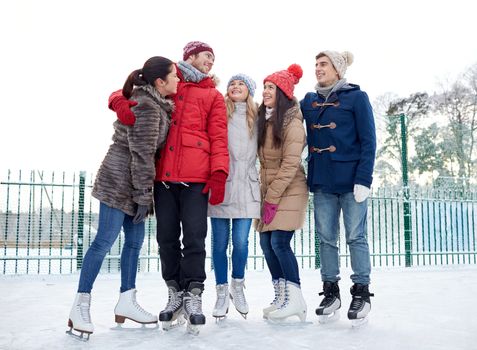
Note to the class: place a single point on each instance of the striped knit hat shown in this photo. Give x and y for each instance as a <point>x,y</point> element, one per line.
<point>286,79</point>
<point>249,82</point>
<point>195,47</point>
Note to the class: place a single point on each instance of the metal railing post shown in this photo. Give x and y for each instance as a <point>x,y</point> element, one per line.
<point>406,201</point>
<point>79,254</point>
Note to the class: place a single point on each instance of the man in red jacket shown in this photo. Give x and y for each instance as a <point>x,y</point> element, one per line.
<point>193,162</point>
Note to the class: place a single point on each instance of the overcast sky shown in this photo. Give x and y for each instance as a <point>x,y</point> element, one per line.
<point>61,59</point>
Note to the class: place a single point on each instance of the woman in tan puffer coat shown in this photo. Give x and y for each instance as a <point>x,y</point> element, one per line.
<point>281,140</point>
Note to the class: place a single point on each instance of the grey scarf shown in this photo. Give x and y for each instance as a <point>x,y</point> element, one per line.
<point>240,108</point>
<point>191,73</point>
<point>326,91</point>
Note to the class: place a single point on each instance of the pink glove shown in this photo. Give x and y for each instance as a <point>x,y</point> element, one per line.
<point>268,213</point>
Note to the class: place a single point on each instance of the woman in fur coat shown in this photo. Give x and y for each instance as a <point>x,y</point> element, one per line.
<point>124,186</point>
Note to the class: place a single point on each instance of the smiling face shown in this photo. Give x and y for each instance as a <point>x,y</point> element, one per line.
<point>203,61</point>
<point>269,94</point>
<point>325,72</point>
<point>237,91</point>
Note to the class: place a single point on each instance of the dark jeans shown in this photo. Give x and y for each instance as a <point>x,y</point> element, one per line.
<point>281,260</point>
<point>182,260</point>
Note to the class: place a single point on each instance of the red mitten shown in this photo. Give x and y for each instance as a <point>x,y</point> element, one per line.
<point>216,185</point>
<point>269,211</point>
<point>122,106</point>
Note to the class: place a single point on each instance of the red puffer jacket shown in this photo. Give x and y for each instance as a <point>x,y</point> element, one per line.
<point>196,145</point>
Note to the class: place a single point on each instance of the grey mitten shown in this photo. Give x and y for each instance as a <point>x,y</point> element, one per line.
<point>141,213</point>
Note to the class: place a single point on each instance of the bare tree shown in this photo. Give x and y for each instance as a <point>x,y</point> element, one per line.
<point>415,108</point>
<point>458,103</point>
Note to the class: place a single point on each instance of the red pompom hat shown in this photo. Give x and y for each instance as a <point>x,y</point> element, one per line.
<point>286,79</point>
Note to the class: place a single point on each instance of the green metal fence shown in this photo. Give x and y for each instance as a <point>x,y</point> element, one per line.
<point>49,219</point>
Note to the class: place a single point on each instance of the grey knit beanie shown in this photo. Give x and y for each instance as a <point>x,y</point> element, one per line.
<point>340,60</point>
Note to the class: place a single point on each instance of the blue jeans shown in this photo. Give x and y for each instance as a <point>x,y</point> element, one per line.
<point>281,260</point>
<point>110,222</point>
<point>328,207</point>
<point>220,241</point>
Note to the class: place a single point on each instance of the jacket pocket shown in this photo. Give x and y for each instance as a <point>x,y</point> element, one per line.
<point>195,151</point>
<point>344,157</point>
<point>344,172</point>
<point>254,186</point>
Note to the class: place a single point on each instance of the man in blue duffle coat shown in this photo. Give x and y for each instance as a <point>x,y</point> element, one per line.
<point>341,151</point>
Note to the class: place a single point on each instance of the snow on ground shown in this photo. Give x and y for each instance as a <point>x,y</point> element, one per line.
<point>414,308</point>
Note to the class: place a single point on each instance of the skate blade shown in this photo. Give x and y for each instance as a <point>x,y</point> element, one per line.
<point>83,336</point>
<point>333,317</point>
<point>144,327</point>
<point>193,329</point>
<point>170,325</point>
<point>243,315</point>
<point>359,322</point>
<point>219,319</point>
<point>286,322</point>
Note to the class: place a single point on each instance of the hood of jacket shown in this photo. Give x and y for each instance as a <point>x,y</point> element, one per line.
<point>292,113</point>
<point>150,91</point>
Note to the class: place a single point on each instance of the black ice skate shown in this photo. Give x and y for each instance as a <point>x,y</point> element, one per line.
<point>193,307</point>
<point>360,304</point>
<point>171,317</point>
<point>328,310</point>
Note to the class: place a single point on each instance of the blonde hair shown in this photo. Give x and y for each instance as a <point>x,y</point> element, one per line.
<point>251,113</point>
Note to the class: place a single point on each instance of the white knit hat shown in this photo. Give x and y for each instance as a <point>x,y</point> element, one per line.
<point>340,60</point>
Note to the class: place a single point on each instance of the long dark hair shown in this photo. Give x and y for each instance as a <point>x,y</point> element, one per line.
<point>282,105</point>
<point>155,67</point>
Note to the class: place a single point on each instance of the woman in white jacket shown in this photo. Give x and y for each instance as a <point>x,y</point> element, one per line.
<point>242,196</point>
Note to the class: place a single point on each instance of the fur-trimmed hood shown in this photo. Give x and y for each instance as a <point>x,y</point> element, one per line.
<point>150,91</point>
<point>293,112</point>
<point>215,79</point>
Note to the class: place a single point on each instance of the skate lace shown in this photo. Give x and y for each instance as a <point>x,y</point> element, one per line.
<point>276,287</point>
<point>238,295</point>
<point>83,306</point>
<point>359,299</point>
<point>174,301</point>
<point>286,299</point>
<point>356,302</point>
<point>193,304</point>
<point>328,299</point>
<point>138,307</point>
<point>221,296</point>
